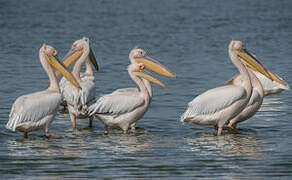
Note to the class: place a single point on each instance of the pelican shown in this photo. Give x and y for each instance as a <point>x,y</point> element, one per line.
<point>79,99</point>
<point>124,107</point>
<point>219,105</point>
<point>258,92</point>
<point>37,110</point>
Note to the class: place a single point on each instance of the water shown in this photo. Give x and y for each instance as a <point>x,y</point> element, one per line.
<point>191,38</point>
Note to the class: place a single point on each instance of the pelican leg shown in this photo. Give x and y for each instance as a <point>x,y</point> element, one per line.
<point>125,127</point>
<point>133,128</point>
<point>72,116</point>
<point>106,129</point>
<point>73,120</point>
<point>49,120</point>
<point>25,135</point>
<point>219,132</point>
<point>90,121</point>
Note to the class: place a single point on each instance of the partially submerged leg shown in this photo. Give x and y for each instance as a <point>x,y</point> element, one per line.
<point>25,135</point>
<point>90,121</point>
<point>133,128</point>
<point>106,129</point>
<point>219,132</point>
<point>72,116</point>
<point>49,120</point>
<point>124,127</point>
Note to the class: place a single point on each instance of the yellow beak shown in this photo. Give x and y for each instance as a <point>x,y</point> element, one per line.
<point>69,58</point>
<point>275,77</point>
<point>149,77</point>
<point>73,55</point>
<point>63,70</point>
<point>155,66</point>
<point>251,62</point>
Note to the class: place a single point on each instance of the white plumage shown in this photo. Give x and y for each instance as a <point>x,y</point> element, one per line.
<point>29,111</point>
<point>119,102</point>
<point>74,96</point>
<point>270,87</point>
<point>205,108</point>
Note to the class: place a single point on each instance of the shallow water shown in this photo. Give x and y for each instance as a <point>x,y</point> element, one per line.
<point>189,37</point>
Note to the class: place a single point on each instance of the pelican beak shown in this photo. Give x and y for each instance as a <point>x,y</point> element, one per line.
<point>93,59</point>
<point>276,78</point>
<point>155,66</point>
<point>70,57</point>
<point>146,75</point>
<point>251,61</point>
<point>63,70</point>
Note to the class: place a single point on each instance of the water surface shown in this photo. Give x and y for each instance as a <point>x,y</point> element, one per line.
<point>189,37</point>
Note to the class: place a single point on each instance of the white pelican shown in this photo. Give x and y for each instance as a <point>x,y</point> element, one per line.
<point>77,99</point>
<point>36,111</point>
<point>125,106</point>
<point>219,105</point>
<point>258,92</point>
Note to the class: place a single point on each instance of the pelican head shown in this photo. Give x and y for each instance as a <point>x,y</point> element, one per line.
<point>140,56</point>
<point>247,58</point>
<point>50,54</point>
<point>78,48</point>
<point>250,60</point>
<point>138,70</point>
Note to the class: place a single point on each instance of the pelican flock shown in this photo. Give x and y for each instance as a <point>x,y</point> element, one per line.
<point>219,107</point>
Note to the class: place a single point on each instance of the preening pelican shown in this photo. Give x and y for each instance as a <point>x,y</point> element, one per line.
<point>78,100</point>
<point>217,106</point>
<point>125,106</point>
<point>37,110</point>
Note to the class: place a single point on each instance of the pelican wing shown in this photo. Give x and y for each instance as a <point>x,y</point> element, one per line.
<point>33,107</point>
<point>126,90</point>
<point>118,102</point>
<point>69,93</point>
<point>214,100</point>
<point>88,89</point>
<point>72,94</point>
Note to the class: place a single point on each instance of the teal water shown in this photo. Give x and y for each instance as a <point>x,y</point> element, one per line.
<point>189,37</point>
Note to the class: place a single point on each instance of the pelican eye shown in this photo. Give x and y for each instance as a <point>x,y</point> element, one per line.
<point>141,67</point>
<point>55,52</point>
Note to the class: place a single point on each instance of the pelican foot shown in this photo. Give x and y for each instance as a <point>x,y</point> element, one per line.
<point>133,128</point>
<point>125,131</point>
<point>74,124</point>
<point>49,135</point>
<point>219,132</point>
